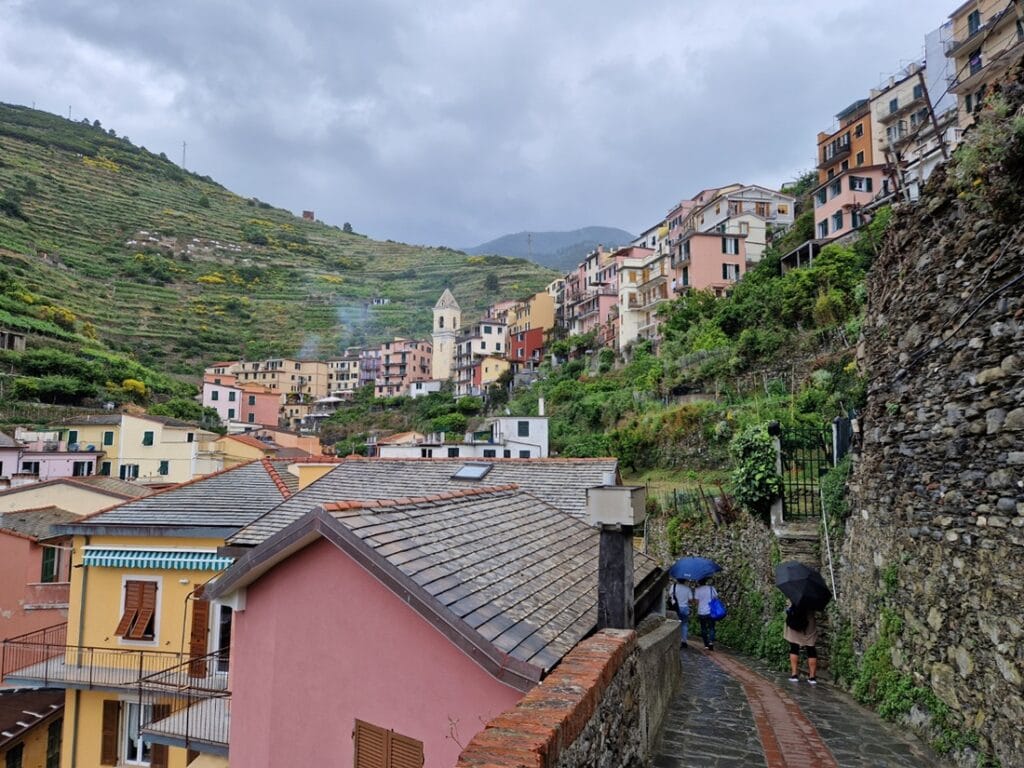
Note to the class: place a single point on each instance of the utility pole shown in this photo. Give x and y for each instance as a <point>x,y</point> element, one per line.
<point>931,113</point>
<point>183,146</point>
<point>529,246</point>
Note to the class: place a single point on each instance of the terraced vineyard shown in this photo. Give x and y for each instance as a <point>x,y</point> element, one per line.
<point>177,270</point>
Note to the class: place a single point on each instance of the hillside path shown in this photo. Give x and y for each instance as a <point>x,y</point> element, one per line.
<point>732,712</point>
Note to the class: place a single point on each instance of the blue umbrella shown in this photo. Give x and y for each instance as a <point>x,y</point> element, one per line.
<point>693,568</point>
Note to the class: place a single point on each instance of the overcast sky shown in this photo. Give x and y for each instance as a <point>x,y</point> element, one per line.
<point>450,123</point>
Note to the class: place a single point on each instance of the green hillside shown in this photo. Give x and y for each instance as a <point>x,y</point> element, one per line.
<point>177,270</point>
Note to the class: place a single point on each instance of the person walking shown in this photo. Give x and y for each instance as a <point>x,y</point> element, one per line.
<point>801,631</point>
<point>682,595</point>
<point>704,594</point>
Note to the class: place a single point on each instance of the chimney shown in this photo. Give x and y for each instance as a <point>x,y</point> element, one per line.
<point>616,509</point>
<point>540,406</point>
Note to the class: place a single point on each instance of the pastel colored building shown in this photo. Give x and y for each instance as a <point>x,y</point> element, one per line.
<point>150,449</point>
<point>81,495</point>
<point>987,40</point>
<point>528,323</point>
<point>402,361</point>
<point>142,643</point>
<point>475,343</point>
<point>238,402</point>
<point>34,570</point>
<point>343,375</point>
<point>438,644</point>
<point>10,456</point>
<point>632,314</point>
<point>502,437</point>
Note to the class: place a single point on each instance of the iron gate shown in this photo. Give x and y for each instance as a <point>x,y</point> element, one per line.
<point>807,455</point>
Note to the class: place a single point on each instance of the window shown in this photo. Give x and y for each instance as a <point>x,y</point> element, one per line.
<point>487,329</point>
<point>860,157</point>
<point>973,22</point>
<point>14,756</point>
<point>135,749</point>
<point>30,467</point>
<point>835,188</point>
<point>190,437</point>
<point>844,166</point>
<point>215,395</point>
<point>524,454</point>
<point>823,228</point>
<point>490,453</point>
<point>523,428</point>
<point>231,396</point>
<point>147,438</point>
<point>974,60</point>
<point>860,184</point>
<point>744,228</point>
<point>453,453</point>
<point>731,245</point>
<point>837,221</point>
<point>138,621</point>
<point>426,453</point>
<point>821,196</point>
<point>252,418</point>
<point>50,571</point>
<point>472,471</point>
<point>165,467</point>
<point>859,130</point>
<point>53,743</point>
<point>969,103</point>
<point>730,271</point>
<point>377,747</point>
<point>72,436</point>
<point>105,469</point>
<point>231,413</point>
<point>783,209</point>
<point>894,105</point>
<point>108,438</point>
<point>81,469</point>
<point>129,472</point>
<point>252,399</point>
<point>855,220</point>
<point>918,91</point>
<point>507,453</point>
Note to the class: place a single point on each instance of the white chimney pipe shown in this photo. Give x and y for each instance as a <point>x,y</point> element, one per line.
<point>540,406</point>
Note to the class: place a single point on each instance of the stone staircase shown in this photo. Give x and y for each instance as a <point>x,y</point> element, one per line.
<point>800,541</point>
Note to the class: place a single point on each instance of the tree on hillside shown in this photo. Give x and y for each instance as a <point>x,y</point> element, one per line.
<point>491,284</point>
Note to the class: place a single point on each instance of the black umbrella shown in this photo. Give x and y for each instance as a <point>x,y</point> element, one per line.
<point>803,585</point>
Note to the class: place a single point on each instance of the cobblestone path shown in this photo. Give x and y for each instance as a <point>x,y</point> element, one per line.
<point>732,712</point>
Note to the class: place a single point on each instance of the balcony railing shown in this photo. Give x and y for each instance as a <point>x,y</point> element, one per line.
<point>47,595</point>
<point>190,704</point>
<point>44,658</point>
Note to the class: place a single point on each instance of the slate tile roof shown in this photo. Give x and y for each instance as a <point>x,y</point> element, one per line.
<point>6,441</point>
<point>227,499</point>
<point>35,523</point>
<point>20,709</point>
<point>115,418</point>
<point>109,486</point>
<point>512,570</point>
<point>562,483</point>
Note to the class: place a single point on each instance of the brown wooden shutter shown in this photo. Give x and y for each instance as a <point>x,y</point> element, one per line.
<point>111,726</point>
<point>147,607</point>
<point>158,754</point>
<point>371,746</point>
<point>405,752</point>
<point>132,598</point>
<point>197,640</point>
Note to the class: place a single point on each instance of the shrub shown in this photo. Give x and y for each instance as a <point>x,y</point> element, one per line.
<point>756,482</point>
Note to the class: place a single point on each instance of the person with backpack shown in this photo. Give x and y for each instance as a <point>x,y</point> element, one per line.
<point>681,596</point>
<point>801,631</point>
<point>704,594</point>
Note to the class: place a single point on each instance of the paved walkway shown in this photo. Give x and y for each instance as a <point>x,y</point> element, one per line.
<point>734,712</point>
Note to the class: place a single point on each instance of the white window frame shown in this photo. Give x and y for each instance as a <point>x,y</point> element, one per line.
<point>213,644</point>
<point>145,711</point>
<point>125,578</point>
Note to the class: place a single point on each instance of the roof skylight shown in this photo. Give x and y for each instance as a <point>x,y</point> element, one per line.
<point>472,472</point>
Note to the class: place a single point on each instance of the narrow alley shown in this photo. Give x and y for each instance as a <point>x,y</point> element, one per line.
<point>732,712</point>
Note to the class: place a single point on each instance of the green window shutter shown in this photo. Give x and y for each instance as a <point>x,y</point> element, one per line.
<point>165,467</point>
<point>72,436</point>
<point>147,438</point>
<point>108,438</point>
<point>49,569</point>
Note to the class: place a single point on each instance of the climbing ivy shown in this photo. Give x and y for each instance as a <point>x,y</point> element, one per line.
<point>755,479</point>
<point>746,630</point>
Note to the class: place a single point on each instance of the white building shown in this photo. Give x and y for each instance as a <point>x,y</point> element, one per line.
<point>504,437</point>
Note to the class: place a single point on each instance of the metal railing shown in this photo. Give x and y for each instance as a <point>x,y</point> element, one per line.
<point>190,704</point>
<point>44,657</point>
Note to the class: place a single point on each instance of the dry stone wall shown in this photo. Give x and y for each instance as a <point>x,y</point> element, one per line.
<point>936,534</point>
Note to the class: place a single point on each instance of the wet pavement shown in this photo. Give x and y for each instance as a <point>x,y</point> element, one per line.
<point>732,711</point>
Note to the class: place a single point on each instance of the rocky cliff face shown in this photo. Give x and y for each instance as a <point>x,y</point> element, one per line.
<point>936,534</point>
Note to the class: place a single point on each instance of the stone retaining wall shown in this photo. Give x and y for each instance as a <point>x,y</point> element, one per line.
<point>936,534</point>
<point>600,708</point>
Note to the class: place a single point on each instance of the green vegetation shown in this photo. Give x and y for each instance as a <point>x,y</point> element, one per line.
<point>106,240</point>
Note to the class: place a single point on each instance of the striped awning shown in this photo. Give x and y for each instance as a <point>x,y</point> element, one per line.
<point>175,560</point>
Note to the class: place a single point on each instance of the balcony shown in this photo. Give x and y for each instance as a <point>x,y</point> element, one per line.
<point>49,595</point>
<point>44,659</point>
<point>835,151</point>
<point>956,47</point>
<point>985,72</point>
<point>191,705</point>
<point>903,110</point>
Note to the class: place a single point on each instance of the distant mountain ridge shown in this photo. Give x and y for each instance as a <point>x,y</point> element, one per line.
<point>556,250</point>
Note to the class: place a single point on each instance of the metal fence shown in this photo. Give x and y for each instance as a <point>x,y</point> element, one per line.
<point>189,705</point>
<point>807,454</point>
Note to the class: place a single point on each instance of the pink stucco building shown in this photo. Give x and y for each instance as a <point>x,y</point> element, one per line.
<point>377,614</point>
<point>241,402</point>
<point>34,577</point>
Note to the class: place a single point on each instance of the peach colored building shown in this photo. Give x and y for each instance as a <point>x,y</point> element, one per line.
<point>402,362</point>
